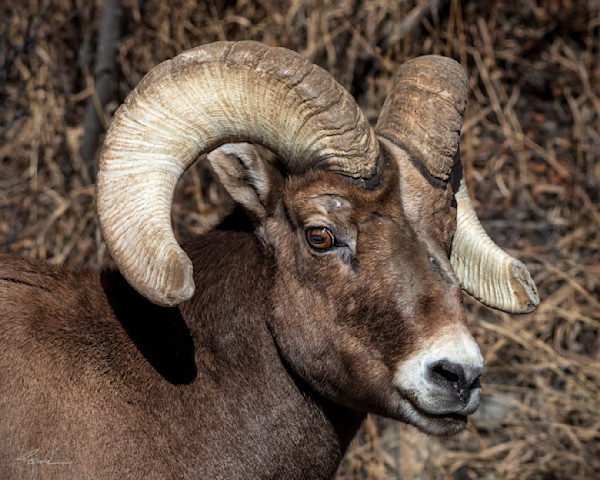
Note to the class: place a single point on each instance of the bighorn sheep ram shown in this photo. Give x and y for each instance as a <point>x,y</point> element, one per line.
<point>334,290</point>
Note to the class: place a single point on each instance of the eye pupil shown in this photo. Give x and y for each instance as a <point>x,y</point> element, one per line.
<point>320,238</point>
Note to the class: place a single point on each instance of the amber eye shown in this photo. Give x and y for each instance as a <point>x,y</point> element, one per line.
<point>320,238</point>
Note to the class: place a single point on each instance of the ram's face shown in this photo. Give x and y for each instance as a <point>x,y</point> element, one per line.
<point>368,310</point>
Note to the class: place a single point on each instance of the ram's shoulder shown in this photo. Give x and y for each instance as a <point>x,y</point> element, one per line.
<point>34,278</point>
<point>44,297</point>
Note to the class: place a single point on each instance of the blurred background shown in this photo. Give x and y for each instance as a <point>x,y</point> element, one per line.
<point>530,147</point>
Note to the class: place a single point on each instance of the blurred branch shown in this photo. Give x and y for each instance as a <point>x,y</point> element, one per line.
<point>94,119</point>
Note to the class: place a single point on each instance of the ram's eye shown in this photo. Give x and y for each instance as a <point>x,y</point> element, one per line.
<point>320,238</point>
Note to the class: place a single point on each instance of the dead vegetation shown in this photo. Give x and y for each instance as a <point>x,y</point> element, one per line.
<point>531,149</point>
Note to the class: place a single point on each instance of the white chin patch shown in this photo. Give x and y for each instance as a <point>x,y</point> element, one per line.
<point>442,378</point>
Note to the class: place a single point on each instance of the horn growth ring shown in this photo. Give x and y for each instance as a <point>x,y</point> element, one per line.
<point>205,97</point>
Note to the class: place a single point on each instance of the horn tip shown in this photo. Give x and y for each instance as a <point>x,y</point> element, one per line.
<point>525,292</point>
<point>177,283</point>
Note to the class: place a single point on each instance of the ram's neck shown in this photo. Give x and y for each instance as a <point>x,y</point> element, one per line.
<point>196,392</point>
<point>261,399</point>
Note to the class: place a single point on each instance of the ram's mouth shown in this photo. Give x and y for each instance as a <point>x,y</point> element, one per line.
<point>447,418</point>
<point>447,423</point>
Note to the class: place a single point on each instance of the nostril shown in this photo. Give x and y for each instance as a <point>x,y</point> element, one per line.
<point>459,378</point>
<point>446,374</point>
<point>476,383</point>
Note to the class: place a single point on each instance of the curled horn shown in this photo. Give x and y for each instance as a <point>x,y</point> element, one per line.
<point>423,115</point>
<point>486,271</point>
<point>205,97</point>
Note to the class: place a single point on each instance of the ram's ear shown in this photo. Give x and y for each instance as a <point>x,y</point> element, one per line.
<point>248,173</point>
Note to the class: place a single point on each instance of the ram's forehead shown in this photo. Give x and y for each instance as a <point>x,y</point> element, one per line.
<point>328,188</point>
<point>330,203</point>
<point>326,209</point>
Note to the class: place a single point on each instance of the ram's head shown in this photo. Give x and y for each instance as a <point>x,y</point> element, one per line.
<point>371,232</point>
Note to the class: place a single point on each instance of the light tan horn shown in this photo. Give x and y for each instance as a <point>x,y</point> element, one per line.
<point>488,273</point>
<point>203,98</point>
<point>423,115</point>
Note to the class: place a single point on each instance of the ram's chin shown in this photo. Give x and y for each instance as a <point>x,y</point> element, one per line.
<point>431,423</point>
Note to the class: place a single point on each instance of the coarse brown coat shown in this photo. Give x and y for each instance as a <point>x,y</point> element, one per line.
<point>265,373</point>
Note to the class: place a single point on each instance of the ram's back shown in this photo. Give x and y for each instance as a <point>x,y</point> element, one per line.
<point>67,372</point>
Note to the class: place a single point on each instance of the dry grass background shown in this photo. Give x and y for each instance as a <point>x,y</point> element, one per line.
<point>531,149</point>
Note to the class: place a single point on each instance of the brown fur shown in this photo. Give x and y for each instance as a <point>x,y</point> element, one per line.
<point>265,373</point>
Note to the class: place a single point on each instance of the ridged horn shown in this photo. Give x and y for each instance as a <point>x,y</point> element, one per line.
<point>485,271</point>
<point>423,115</point>
<point>205,97</point>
